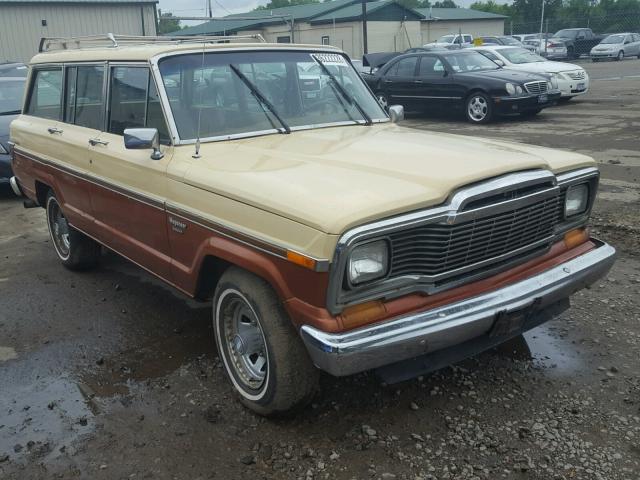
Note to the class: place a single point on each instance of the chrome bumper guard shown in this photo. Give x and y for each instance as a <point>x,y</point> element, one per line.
<point>13,181</point>
<point>420,333</point>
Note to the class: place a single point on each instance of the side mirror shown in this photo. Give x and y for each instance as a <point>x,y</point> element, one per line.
<point>396,112</point>
<point>142,139</point>
<point>499,62</point>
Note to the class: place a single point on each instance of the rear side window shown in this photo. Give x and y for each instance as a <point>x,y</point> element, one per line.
<point>134,102</point>
<point>45,97</point>
<point>404,68</point>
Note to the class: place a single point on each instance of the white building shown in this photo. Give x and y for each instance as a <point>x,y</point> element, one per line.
<point>391,27</point>
<point>24,22</point>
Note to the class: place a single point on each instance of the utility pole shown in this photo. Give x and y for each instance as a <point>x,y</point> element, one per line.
<point>364,26</point>
<point>542,21</point>
<point>210,9</point>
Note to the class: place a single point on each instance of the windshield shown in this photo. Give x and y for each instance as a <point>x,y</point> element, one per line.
<point>520,55</point>
<point>469,62</point>
<point>614,39</point>
<point>209,99</point>
<point>446,39</point>
<point>11,92</point>
<point>566,33</point>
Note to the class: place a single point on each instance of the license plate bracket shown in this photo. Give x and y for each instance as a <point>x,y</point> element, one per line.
<point>543,98</point>
<point>509,323</point>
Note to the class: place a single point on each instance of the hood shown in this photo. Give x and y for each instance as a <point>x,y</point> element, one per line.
<point>5,121</point>
<point>332,179</point>
<point>505,74</point>
<point>547,67</point>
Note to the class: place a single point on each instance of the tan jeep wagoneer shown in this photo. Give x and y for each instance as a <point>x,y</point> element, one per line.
<point>268,178</point>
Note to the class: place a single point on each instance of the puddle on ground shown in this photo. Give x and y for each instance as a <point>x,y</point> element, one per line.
<point>7,353</point>
<point>38,420</point>
<point>546,350</point>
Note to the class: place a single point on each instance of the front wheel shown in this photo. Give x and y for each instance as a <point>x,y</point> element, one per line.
<point>620,56</point>
<point>262,353</point>
<point>479,108</point>
<point>75,250</point>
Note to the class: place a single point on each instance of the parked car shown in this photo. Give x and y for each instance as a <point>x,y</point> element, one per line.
<point>617,46</point>
<point>551,50</point>
<point>460,79</point>
<point>503,40</point>
<point>578,41</point>
<point>522,37</point>
<point>572,80</point>
<point>13,69</point>
<point>11,93</point>
<point>452,41</point>
<point>337,241</point>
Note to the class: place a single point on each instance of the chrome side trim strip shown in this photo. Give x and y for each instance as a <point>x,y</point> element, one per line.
<point>426,96</point>
<point>428,331</point>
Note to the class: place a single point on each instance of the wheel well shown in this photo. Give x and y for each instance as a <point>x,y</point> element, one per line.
<point>42,190</point>
<point>210,272</point>
<point>475,90</point>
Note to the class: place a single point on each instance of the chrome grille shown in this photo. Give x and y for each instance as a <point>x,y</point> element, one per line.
<point>536,87</point>
<point>434,249</point>
<point>577,75</point>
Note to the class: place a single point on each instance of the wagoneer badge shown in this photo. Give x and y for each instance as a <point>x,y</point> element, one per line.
<point>177,226</point>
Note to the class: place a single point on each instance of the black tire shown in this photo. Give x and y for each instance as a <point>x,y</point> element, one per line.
<point>620,56</point>
<point>75,250</point>
<point>383,100</point>
<point>290,379</point>
<point>478,108</point>
<point>571,54</point>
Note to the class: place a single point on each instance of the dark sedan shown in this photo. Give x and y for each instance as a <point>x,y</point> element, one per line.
<point>11,91</point>
<point>462,79</point>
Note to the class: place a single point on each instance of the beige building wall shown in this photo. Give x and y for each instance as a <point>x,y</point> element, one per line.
<point>432,30</point>
<point>21,24</point>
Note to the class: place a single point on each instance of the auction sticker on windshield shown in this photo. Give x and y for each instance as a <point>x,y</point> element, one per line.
<point>329,58</point>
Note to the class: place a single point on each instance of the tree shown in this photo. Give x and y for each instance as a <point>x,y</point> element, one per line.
<point>285,3</point>
<point>491,6</point>
<point>168,24</point>
<point>445,4</point>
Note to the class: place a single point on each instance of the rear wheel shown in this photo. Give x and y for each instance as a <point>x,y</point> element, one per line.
<point>383,100</point>
<point>479,108</point>
<point>262,353</point>
<point>75,250</point>
<point>620,56</point>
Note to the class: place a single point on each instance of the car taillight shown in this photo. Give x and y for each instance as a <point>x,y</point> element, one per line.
<point>553,45</point>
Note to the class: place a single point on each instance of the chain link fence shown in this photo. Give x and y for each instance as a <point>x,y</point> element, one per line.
<point>600,24</point>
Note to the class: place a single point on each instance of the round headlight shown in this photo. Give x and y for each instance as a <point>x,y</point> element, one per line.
<point>577,200</point>
<point>554,80</point>
<point>519,90</point>
<point>549,86</point>
<point>368,262</point>
<point>511,88</point>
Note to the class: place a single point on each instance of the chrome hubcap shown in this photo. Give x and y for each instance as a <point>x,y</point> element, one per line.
<point>478,108</point>
<point>244,341</point>
<point>59,229</point>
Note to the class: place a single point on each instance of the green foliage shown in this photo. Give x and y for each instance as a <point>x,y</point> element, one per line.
<point>168,24</point>
<point>285,3</point>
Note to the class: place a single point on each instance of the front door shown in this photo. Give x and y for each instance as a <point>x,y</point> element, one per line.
<point>398,83</point>
<point>128,197</point>
<point>433,83</point>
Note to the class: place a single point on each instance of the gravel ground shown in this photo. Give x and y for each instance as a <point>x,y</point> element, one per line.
<point>112,375</point>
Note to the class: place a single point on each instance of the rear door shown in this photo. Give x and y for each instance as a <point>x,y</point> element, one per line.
<point>128,197</point>
<point>398,82</point>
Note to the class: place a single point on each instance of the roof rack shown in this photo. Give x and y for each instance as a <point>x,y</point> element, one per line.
<point>48,44</point>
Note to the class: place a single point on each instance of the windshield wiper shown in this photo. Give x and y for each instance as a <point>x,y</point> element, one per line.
<point>336,84</point>
<point>260,97</point>
<point>11,112</point>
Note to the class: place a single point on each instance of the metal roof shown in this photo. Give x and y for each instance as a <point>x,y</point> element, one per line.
<point>433,14</point>
<point>354,11</point>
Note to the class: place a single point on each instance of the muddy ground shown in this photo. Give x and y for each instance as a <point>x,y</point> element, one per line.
<point>112,375</point>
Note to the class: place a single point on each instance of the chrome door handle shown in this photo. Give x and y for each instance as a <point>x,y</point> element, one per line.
<point>53,130</point>
<point>94,141</point>
<point>417,81</point>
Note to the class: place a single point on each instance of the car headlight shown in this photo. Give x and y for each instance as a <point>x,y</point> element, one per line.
<point>519,90</point>
<point>577,200</point>
<point>511,88</point>
<point>549,86</point>
<point>3,150</point>
<point>368,262</point>
<point>554,80</point>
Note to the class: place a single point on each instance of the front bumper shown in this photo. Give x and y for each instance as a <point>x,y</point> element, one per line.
<point>569,86</point>
<point>607,54</point>
<point>416,334</point>
<point>509,105</point>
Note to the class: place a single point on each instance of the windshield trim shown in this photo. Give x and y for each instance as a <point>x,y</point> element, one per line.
<point>173,128</point>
